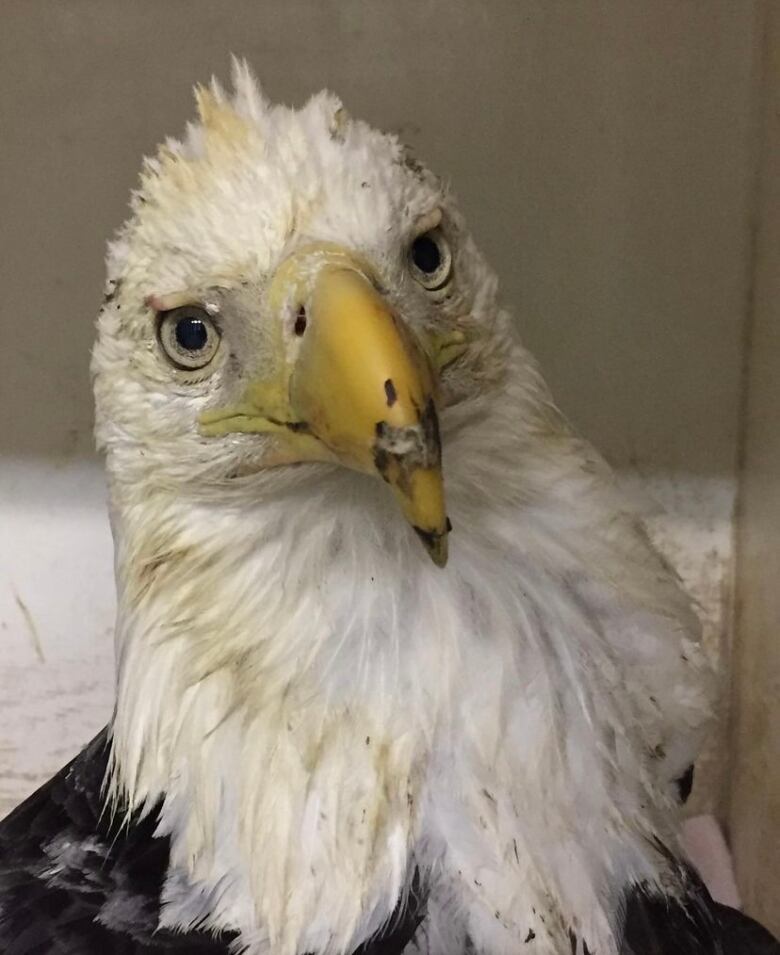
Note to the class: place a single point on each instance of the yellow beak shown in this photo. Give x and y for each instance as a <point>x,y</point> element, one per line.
<point>353,385</point>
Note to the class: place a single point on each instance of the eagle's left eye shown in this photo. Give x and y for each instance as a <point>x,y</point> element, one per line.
<point>430,260</point>
<point>188,336</point>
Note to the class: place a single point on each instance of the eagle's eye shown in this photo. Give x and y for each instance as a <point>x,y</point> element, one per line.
<point>188,337</point>
<point>430,260</point>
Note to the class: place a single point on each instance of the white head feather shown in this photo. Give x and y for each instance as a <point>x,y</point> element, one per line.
<point>321,709</point>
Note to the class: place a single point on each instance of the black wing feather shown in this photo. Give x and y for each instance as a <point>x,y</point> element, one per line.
<point>73,882</point>
<point>695,926</point>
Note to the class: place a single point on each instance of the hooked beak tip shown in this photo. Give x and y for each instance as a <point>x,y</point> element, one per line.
<point>435,543</point>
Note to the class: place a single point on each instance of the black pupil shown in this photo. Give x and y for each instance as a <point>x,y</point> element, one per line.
<point>426,255</point>
<point>191,334</point>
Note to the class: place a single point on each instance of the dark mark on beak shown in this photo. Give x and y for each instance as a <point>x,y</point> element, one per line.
<point>399,451</point>
<point>298,427</point>
<point>430,425</point>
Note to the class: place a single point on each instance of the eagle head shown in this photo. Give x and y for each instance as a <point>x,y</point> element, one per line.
<point>293,293</point>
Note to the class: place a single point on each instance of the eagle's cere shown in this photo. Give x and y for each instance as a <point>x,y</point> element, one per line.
<point>306,389</point>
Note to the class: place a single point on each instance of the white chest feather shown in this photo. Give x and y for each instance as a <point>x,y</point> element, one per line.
<point>325,711</point>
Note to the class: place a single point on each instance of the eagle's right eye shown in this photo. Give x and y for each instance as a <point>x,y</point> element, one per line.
<point>188,336</point>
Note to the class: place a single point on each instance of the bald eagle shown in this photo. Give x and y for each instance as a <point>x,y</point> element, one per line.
<point>397,667</point>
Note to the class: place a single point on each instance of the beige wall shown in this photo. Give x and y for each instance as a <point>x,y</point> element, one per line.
<point>754,810</point>
<point>599,149</point>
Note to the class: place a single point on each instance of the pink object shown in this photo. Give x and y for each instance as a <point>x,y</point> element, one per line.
<point>705,846</point>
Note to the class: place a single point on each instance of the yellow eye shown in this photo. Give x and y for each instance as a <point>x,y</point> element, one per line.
<point>188,337</point>
<point>430,260</point>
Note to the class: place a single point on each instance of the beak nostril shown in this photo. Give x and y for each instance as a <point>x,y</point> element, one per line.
<point>300,321</point>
